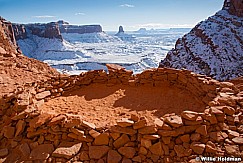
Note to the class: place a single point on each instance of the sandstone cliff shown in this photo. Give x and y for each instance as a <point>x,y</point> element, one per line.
<point>67,28</point>
<point>49,30</point>
<point>8,46</point>
<point>214,47</point>
<point>52,30</point>
<point>15,68</point>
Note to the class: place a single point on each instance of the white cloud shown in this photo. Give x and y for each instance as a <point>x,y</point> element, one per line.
<point>44,16</point>
<point>127,5</point>
<point>80,13</point>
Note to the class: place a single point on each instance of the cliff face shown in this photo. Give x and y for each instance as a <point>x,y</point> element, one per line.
<point>15,68</point>
<point>66,28</point>
<point>214,47</point>
<point>52,30</point>
<point>234,7</point>
<point>8,46</point>
<point>49,30</point>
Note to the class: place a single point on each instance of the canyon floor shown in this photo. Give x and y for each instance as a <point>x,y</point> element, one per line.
<point>104,105</point>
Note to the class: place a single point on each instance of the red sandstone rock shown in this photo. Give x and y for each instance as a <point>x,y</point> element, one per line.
<point>174,121</point>
<point>140,124</point>
<point>125,122</point>
<point>94,133</point>
<point>24,149</point>
<point>42,152</point>
<point>119,129</point>
<point>147,130</point>
<point>40,120</point>
<point>146,143</point>
<point>211,147</point>
<point>113,157</point>
<point>84,156</point>
<point>157,149</point>
<point>232,149</point>
<point>185,138</point>
<point>121,141</point>
<point>3,152</point>
<point>67,150</point>
<point>42,95</point>
<point>202,130</point>
<point>128,152</point>
<point>97,152</point>
<point>238,140</point>
<point>8,132</point>
<point>198,147</point>
<point>189,115</point>
<point>102,139</point>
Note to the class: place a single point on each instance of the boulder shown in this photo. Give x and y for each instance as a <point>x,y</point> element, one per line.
<point>97,152</point>
<point>128,152</point>
<point>113,157</point>
<point>67,150</point>
<point>42,152</point>
<point>198,147</point>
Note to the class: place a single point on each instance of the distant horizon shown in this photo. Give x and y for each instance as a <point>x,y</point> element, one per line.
<point>110,14</point>
<point>147,29</point>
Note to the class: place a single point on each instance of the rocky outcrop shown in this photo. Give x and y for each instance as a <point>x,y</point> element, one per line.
<point>124,36</point>
<point>214,47</point>
<point>235,7</point>
<point>8,45</point>
<point>67,28</point>
<point>19,31</point>
<point>52,30</point>
<point>49,30</point>
<point>121,30</point>
<point>15,68</point>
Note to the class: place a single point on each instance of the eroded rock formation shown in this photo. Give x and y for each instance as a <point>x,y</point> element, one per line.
<point>52,30</point>
<point>49,30</point>
<point>235,7</point>
<point>15,68</point>
<point>214,47</point>
<point>8,45</point>
<point>67,28</point>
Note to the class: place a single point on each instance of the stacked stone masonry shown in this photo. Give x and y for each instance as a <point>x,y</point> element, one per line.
<point>29,135</point>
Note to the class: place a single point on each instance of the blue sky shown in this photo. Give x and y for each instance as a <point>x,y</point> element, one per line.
<point>132,14</point>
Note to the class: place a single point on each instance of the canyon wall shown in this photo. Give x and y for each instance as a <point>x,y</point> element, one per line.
<point>52,30</point>
<point>49,30</point>
<point>67,28</point>
<point>214,47</point>
<point>8,45</point>
<point>235,7</point>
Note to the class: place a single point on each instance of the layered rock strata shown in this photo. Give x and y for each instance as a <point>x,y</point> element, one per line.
<point>80,29</point>
<point>49,30</point>
<point>8,45</point>
<point>213,47</point>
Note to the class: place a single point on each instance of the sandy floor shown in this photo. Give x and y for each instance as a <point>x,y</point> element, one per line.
<point>104,105</point>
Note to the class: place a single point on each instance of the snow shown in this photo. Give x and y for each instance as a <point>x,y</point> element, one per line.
<point>222,50</point>
<point>83,52</point>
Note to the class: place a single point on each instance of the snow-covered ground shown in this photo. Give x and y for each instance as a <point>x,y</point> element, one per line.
<point>82,52</point>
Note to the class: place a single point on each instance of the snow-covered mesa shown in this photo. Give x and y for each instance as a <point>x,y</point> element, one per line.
<point>82,52</point>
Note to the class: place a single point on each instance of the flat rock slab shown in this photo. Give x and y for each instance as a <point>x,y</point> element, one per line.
<point>97,152</point>
<point>67,150</point>
<point>42,152</point>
